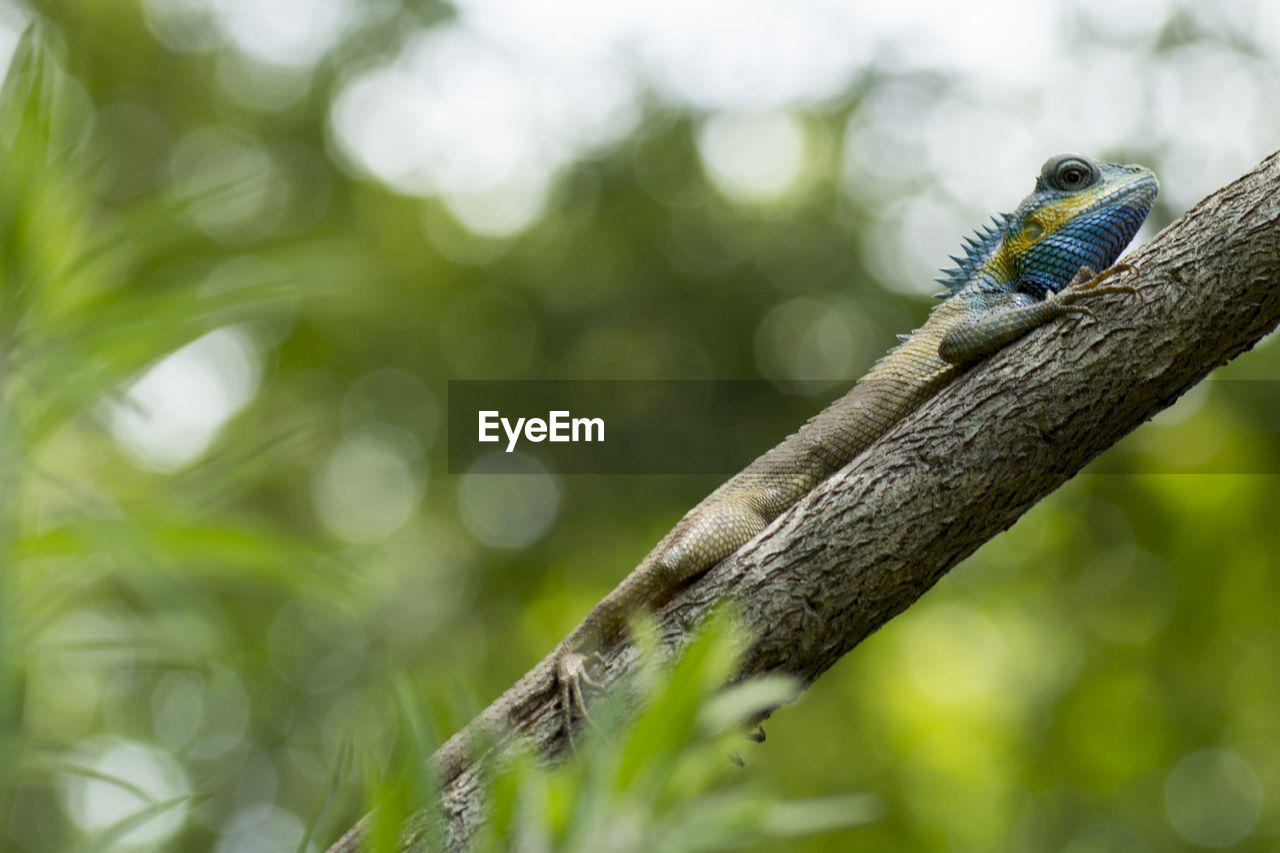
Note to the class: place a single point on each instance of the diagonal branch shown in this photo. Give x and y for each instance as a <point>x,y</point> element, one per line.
<point>867,543</point>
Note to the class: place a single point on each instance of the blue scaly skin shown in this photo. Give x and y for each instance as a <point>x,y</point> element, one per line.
<point>1030,267</point>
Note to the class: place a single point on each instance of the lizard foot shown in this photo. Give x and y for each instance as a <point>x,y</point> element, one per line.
<point>757,736</point>
<point>573,676</point>
<point>1087,279</point>
<point>1089,283</point>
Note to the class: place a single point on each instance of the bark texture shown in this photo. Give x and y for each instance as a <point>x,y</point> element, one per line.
<point>867,543</point>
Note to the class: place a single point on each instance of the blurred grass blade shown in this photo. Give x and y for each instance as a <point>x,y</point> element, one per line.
<point>50,764</point>
<point>320,811</point>
<point>27,97</point>
<point>106,839</point>
<point>821,814</point>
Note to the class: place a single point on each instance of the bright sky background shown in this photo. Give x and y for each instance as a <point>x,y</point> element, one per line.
<point>486,110</point>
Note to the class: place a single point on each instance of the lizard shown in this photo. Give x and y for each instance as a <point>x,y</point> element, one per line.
<point>1027,268</point>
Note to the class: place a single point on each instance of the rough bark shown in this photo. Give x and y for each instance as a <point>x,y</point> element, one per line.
<point>866,544</point>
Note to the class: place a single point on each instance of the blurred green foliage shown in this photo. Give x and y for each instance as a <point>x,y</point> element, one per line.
<point>235,632</point>
<point>666,780</point>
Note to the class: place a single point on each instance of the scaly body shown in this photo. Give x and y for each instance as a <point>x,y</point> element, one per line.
<point>1033,266</point>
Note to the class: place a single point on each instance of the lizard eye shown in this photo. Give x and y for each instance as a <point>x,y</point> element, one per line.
<point>1073,174</point>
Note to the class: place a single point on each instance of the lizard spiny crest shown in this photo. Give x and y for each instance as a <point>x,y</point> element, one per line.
<point>978,249</point>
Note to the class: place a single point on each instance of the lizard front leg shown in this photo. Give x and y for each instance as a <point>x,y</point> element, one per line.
<point>999,325</point>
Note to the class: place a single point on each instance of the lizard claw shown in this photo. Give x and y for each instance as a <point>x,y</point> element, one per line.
<point>1087,279</point>
<point>756,736</point>
<point>573,676</point>
<point>1071,296</point>
<point>1079,310</point>
<point>1116,288</point>
<point>1089,283</point>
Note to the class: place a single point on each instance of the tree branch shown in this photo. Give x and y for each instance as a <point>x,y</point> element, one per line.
<point>867,543</point>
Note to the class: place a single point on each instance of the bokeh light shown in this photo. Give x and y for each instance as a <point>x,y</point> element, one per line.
<point>1213,798</point>
<point>508,510</point>
<point>263,828</point>
<point>370,484</point>
<point>172,413</point>
<point>811,340</point>
<point>753,158</point>
<point>125,778</point>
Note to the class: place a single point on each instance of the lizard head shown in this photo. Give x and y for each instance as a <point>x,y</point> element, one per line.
<point>1082,213</point>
